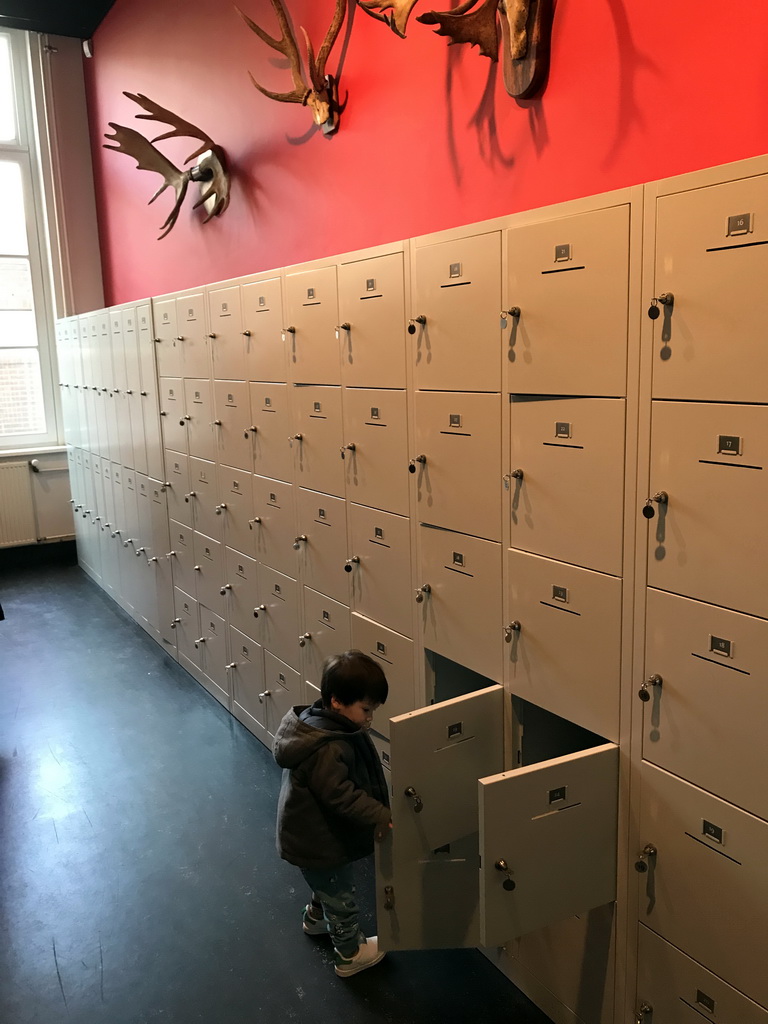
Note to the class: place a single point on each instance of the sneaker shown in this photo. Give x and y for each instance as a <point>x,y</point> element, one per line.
<point>313,925</point>
<point>367,955</point>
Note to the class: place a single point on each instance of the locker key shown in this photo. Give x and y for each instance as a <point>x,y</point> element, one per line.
<point>299,539</point>
<point>412,464</point>
<point>513,627</point>
<point>420,319</point>
<point>295,437</point>
<point>347,448</point>
<point>418,805</point>
<point>266,693</point>
<point>246,334</point>
<point>303,639</point>
<point>224,589</point>
<point>250,430</point>
<point>192,494</point>
<point>641,864</point>
<point>351,563</point>
<point>342,327</point>
<point>425,589</point>
<point>139,551</point>
<point>217,423</point>
<point>508,883</point>
<point>288,330</point>
<point>257,609</point>
<point>220,508</point>
<point>256,519</point>
<point>200,640</point>
<point>642,1012</point>
<point>152,559</point>
<point>643,693</point>
<point>174,623</point>
<point>513,311</point>
<point>661,497</point>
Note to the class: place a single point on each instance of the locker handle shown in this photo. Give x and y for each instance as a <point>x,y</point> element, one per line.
<point>513,627</point>
<point>642,1012</point>
<point>157,340</point>
<point>509,883</point>
<point>246,334</point>
<point>211,336</point>
<point>424,589</point>
<point>179,337</point>
<point>232,664</point>
<point>266,693</point>
<point>197,568</point>
<point>166,485</point>
<point>346,326</point>
<point>295,437</point>
<point>661,497</point>
<point>191,494</point>
<point>128,392</point>
<point>648,851</point>
<point>217,423</point>
<point>256,519</point>
<point>143,394</point>
<point>170,554</point>
<point>643,693</point>
<point>163,412</point>
<point>127,542</point>
<point>174,623</point>
<point>139,551</point>
<point>200,640</point>
<point>513,311</point>
<point>418,805</point>
<point>152,559</point>
<point>257,609</point>
<point>412,464</point>
<point>517,474</point>
<point>420,319</point>
<point>288,330</point>
<point>303,639</point>
<point>225,588</point>
<point>299,539</point>
<point>351,562</point>
<point>249,430</point>
<point>220,508</point>
<point>351,447</point>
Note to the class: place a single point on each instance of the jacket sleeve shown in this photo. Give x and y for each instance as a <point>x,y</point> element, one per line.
<point>330,784</point>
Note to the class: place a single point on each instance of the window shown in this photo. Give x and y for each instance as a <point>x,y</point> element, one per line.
<point>27,405</point>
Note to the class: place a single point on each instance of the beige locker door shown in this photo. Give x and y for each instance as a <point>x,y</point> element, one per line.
<point>274,525</point>
<point>236,505</point>
<point>318,440</point>
<point>263,323</point>
<point>569,502</point>
<point>113,430</point>
<point>547,842</point>
<point>706,888</point>
<point>187,627</point>
<point>457,288</point>
<point>427,878</point>
<point>213,642</point>
<point>326,631</point>
<point>144,510</point>
<point>282,689</point>
<point>713,664</point>
<point>190,318</point>
<point>376,448</point>
<point>247,681</point>
<point>209,572</point>
<point>233,424</point>
<point>395,655</point>
<point>131,510</point>
<point>149,392</point>
<point>181,505</point>
<point>270,416</point>
<point>460,612</point>
<point>199,414</point>
<point>677,990</point>
<point>242,593</point>
<point>172,416</point>
<point>204,495</point>
<point>312,310</point>
<point>380,567</point>
<point>167,341</point>
<point>181,556</point>
<point>226,332</point>
<point>563,640</point>
<point>160,566</point>
<point>134,388</point>
<point>570,280</point>
<point>712,460</point>
<point>322,544</point>
<point>459,486</point>
<point>278,606</point>
<point>106,478</point>
<point>712,256</point>
<point>372,302</point>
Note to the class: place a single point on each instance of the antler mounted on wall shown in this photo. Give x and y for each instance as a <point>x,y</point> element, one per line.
<point>317,91</point>
<point>398,20</point>
<point>210,170</point>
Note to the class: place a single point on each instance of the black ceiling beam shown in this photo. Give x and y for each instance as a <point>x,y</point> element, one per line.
<point>80,18</point>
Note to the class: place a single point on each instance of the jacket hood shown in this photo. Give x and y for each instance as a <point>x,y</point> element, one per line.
<point>307,727</point>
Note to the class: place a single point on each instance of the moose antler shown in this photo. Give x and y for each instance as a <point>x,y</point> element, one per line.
<point>463,25</point>
<point>515,12</point>
<point>401,12</point>
<point>211,168</point>
<point>319,93</point>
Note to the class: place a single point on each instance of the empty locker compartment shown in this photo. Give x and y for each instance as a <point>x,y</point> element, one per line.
<point>271,429</point>
<point>263,323</point>
<point>372,322</point>
<point>226,332</point>
<point>312,313</point>
<point>232,422</point>
<point>236,509</point>
<point>380,567</point>
<point>321,543</point>
<point>209,572</point>
<point>566,325</point>
<point>242,592</point>
<point>317,438</point>
<point>566,480</point>
<point>457,461</point>
<point>455,326</point>
<point>278,608</point>
<point>204,496</point>
<point>563,640</point>
<point>173,421</point>
<point>395,654</point>
<point>274,524</point>
<point>375,451</point>
<point>326,631</point>
<point>247,682</point>
<point>199,417</point>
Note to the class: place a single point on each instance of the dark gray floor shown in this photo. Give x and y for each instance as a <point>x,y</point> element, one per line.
<point>138,876</point>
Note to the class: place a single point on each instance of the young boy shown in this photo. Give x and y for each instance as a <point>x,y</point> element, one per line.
<point>334,800</point>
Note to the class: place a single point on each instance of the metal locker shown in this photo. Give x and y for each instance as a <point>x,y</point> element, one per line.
<point>326,631</point>
<point>160,565</point>
<point>282,689</point>
<point>130,334</point>
<point>711,260</point>
<point>226,332</point>
<point>274,525</point>
<point>673,989</point>
<point>236,508</point>
<point>181,557</point>
<point>147,607</point>
<point>318,438</point>
<point>706,538</point>
<point>199,415</point>
<point>278,607</point>
<point>263,323</point>
<point>120,393</point>
<point>457,461</point>
<point>181,506</point>
<point>212,644</point>
<point>563,640</point>
<point>190,319</point>
<point>149,392</point>
<point>109,496</point>
<point>322,543</point>
<point>704,690</point>
<point>232,421</point>
<point>395,655</point>
<point>173,420</point>
<point>312,333</point>
<point>459,599</point>
<point>380,567</point>
<point>204,496</point>
<point>167,341</point>
<point>703,881</point>
<point>375,448</point>
<point>566,480</point>
<point>241,588</point>
<point>186,623</point>
<point>118,530</point>
<point>209,572</point>
<point>566,325</point>
<point>271,429</point>
<point>456,323</point>
<point>247,681</point>
<point>131,511</point>
<point>372,322</point>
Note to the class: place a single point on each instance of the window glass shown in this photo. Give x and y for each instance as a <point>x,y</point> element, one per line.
<point>22,410</point>
<point>13,228</point>
<point>8,130</point>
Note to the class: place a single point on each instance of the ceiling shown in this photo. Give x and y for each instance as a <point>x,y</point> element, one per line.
<point>78,18</point>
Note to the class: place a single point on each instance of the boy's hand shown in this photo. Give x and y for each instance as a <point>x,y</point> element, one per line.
<point>381,833</point>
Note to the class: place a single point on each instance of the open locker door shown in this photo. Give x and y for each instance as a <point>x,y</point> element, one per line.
<point>548,842</point>
<point>427,879</point>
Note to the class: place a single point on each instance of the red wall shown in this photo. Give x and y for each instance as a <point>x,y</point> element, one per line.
<point>639,89</point>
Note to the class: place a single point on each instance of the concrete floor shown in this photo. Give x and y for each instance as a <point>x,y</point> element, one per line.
<point>139,879</point>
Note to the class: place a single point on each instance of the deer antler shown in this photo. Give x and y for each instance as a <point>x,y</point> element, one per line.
<point>180,126</point>
<point>463,25</point>
<point>401,12</point>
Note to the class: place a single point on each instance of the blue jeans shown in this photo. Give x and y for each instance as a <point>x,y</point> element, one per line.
<point>334,889</point>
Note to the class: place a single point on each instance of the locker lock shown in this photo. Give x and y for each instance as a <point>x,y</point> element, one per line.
<point>295,437</point>
<point>303,639</point>
<point>152,559</point>
<point>509,883</point>
<point>170,554</point>
<point>513,311</point>
<point>225,588</point>
<point>288,330</point>
<point>192,494</point>
<point>266,693</point>
<point>420,319</point>
<point>424,589</point>
<point>127,542</point>
<point>298,541</point>
<point>661,497</point>
<point>174,623</point>
<point>250,430</point>
<point>643,693</point>
<point>200,640</point>
<point>351,447</point>
<point>351,562</point>
<point>220,508</point>
<point>256,519</point>
<point>642,1012</point>
<point>257,609</point>
<point>231,665</point>
<point>140,551</point>
<point>116,533</point>
<point>412,464</point>
<point>217,423</point>
<point>517,474</point>
<point>212,336</point>
<point>513,627</point>
<point>666,299</point>
<point>346,326</point>
<point>641,864</point>
<point>418,805</point>
<point>246,334</point>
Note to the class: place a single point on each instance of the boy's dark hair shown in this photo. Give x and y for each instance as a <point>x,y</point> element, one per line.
<point>353,676</point>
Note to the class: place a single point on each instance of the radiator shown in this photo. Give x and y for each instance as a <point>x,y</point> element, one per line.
<point>17,510</point>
